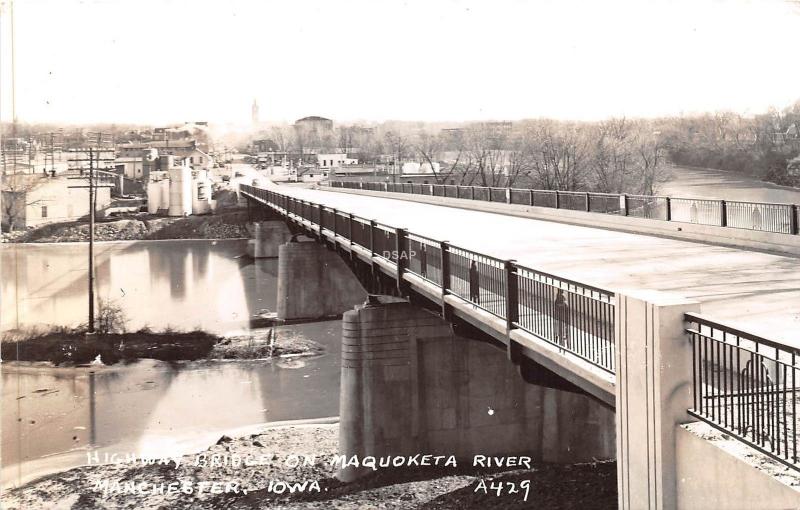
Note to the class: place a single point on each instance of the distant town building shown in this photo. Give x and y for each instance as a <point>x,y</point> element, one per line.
<point>314,124</point>
<point>335,160</point>
<point>138,168</point>
<point>182,149</point>
<point>264,145</point>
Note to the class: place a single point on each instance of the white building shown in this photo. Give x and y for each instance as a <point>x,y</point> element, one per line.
<point>32,200</point>
<point>335,160</point>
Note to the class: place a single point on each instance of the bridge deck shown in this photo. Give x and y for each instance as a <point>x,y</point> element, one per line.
<point>754,291</point>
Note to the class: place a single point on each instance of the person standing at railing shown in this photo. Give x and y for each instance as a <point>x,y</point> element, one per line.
<point>561,320</point>
<point>474,283</point>
<point>423,261</point>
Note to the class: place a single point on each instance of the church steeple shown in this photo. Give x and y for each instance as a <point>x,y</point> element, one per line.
<point>254,111</point>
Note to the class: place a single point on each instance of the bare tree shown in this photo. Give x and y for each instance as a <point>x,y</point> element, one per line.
<point>18,194</point>
<point>486,147</point>
<point>560,156</point>
<point>281,138</point>
<point>345,136</point>
<point>398,146</point>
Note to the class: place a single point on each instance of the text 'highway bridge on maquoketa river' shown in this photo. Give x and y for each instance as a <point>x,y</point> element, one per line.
<point>570,326</point>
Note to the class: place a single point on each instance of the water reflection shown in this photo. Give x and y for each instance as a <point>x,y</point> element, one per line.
<point>181,284</point>
<point>52,416</point>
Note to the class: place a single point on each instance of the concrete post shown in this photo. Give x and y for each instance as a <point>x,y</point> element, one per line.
<point>653,393</point>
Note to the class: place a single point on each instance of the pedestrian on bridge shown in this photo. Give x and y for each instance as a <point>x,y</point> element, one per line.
<point>474,283</point>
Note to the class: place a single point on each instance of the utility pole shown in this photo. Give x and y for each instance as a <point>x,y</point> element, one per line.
<point>92,187</point>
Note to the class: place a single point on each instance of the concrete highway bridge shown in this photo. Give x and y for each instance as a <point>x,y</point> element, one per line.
<point>667,343</point>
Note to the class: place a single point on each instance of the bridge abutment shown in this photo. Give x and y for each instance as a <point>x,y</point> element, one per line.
<point>314,282</point>
<point>410,386</point>
<point>653,393</point>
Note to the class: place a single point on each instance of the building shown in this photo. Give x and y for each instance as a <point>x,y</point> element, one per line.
<point>335,160</point>
<point>138,168</point>
<point>314,124</point>
<point>35,199</point>
<point>264,145</point>
<point>181,149</point>
<point>311,174</point>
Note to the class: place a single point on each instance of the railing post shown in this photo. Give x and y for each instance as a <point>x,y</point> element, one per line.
<point>335,215</point>
<point>472,193</point>
<point>793,227</point>
<point>723,213</point>
<point>401,245</point>
<point>558,201</point>
<point>624,205</point>
<point>512,310</point>
<point>508,195</point>
<point>669,209</point>
<point>350,230</point>
<point>372,226</point>
<point>444,247</point>
<point>530,199</point>
<point>431,186</point>
<point>588,206</point>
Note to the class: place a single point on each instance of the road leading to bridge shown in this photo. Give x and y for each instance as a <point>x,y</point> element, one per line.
<point>755,291</point>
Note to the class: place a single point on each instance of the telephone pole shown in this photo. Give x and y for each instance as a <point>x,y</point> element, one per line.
<point>94,157</point>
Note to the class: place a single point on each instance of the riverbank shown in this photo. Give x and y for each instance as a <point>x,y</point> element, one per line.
<point>70,347</point>
<point>288,455</point>
<point>227,224</point>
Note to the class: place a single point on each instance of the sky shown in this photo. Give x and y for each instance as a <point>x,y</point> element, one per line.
<point>164,61</point>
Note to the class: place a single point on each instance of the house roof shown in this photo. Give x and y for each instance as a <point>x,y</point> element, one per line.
<point>313,118</point>
<point>161,144</point>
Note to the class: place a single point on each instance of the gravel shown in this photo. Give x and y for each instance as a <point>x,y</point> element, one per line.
<point>580,486</point>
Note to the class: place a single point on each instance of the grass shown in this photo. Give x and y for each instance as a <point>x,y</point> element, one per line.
<point>63,346</point>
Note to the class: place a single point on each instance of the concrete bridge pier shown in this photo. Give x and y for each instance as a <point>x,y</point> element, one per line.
<point>314,282</point>
<point>267,237</point>
<point>411,386</point>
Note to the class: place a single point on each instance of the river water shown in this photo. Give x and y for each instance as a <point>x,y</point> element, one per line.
<point>51,417</point>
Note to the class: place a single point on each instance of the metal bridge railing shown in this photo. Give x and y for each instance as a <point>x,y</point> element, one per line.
<point>764,217</point>
<point>743,384</point>
<point>747,386</point>
<point>577,318</point>
<point>570,315</point>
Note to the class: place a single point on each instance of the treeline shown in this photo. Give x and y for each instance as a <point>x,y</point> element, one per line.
<point>763,146</point>
<point>616,155</point>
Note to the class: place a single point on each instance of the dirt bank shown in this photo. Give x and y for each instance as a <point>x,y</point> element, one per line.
<point>303,454</point>
<point>74,347</point>
<point>223,225</point>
